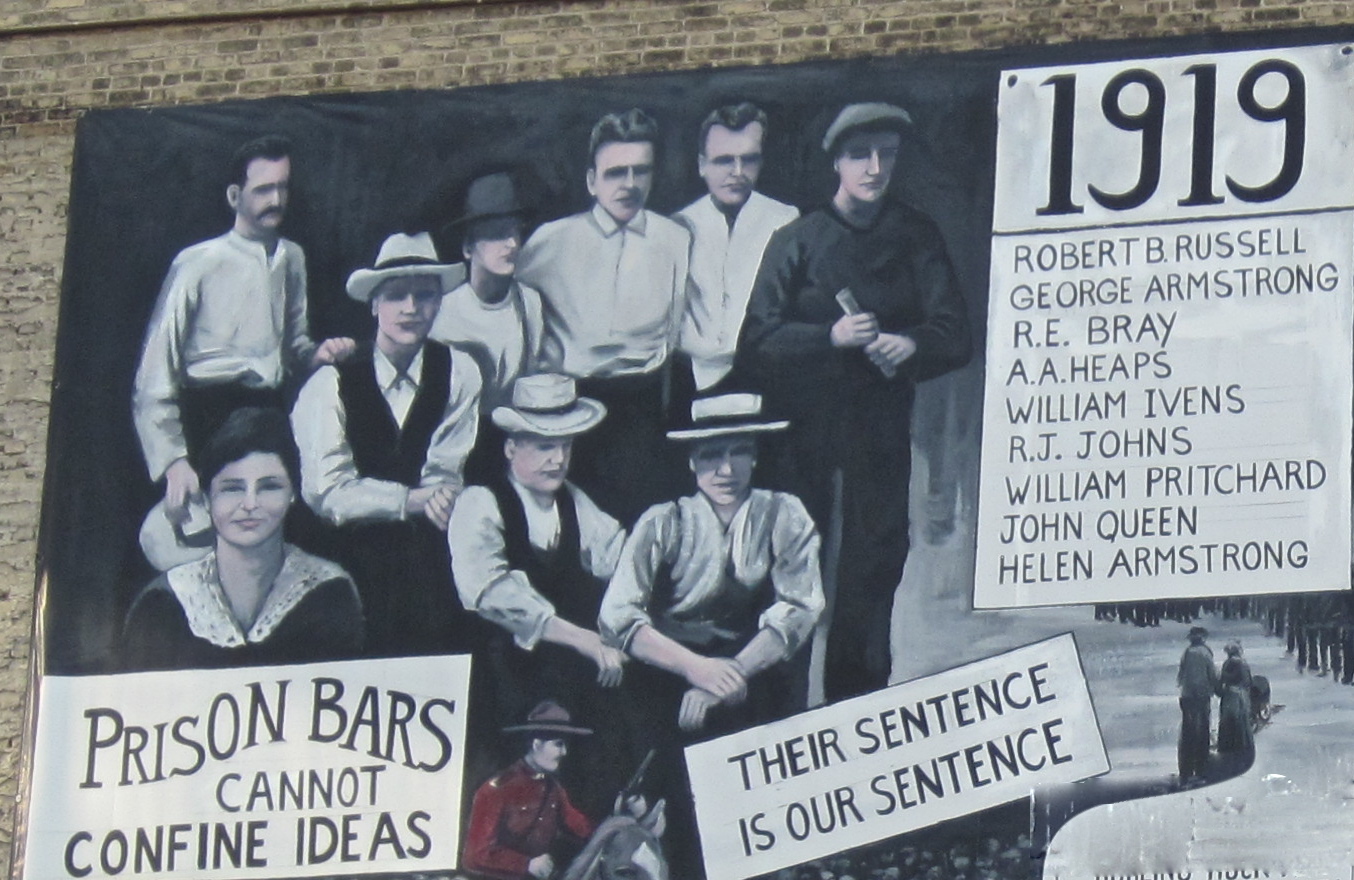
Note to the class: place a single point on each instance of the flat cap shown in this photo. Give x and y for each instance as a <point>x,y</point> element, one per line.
<point>875,114</point>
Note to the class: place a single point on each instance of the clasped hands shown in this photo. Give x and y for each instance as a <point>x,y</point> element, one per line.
<point>887,351</point>
<point>714,681</point>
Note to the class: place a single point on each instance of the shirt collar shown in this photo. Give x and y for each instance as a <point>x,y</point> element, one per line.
<point>386,374</point>
<point>610,227</point>
<point>256,248</point>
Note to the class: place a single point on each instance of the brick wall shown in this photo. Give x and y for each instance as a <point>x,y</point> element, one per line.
<point>61,57</point>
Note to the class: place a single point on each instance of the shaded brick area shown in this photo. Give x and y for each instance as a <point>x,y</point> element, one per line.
<point>152,52</point>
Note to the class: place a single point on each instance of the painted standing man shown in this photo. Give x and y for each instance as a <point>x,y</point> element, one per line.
<point>1197,679</point>
<point>730,228</point>
<point>531,553</point>
<point>613,282</point>
<point>229,328</point>
<point>853,305</point>
<point>383,439</point>
<point>493,316</point>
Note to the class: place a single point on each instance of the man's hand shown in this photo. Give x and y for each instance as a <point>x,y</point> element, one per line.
<point>435,502</point>
<point>541,867</point>
<point>889,350</point>
<point>438,506</point>
<point>610,664</point>
<point>695,703</point>
<point>855,331</point>
<point>181,486</point>
<point>333,351</point>
<point>720,677</point>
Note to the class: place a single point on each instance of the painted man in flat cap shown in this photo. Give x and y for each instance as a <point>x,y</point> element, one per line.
<point>384,439</point>
<point>853,305</point>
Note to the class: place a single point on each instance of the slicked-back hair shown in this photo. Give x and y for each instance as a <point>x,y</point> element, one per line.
<point>632,126</point>
<point>734,117</point>
<point>270,146</point>
<point>245,431</point>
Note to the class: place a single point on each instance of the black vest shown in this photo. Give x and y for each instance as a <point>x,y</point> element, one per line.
<point>381,449</point>
<point>556,574</point>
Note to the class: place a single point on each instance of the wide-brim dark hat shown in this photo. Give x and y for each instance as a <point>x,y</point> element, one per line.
<point>723,415</point>
<point>489,196</point>
<point>549,717</point>
<point>1198,631</point>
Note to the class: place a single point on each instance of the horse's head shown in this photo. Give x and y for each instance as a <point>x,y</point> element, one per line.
<point>623,848</point>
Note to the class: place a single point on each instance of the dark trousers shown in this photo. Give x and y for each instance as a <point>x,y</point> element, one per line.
<point>853,473</point>
<point>627,464</point>
<point>1195,715</point>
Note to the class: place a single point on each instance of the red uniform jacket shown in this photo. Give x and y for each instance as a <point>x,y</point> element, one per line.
<point>516,816</point>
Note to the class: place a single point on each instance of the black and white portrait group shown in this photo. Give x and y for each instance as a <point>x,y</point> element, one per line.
<point>629,462</point>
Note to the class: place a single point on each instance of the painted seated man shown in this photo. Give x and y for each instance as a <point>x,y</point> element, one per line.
<point>383,440</point>
<point>531,553</point>
<point>717,588</point>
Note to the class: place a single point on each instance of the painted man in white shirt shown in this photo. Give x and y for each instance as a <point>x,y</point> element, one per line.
<point>716,588</point>
<point>384,438</point>
<point>492,316</point>
<point>613,283</point>
<point>229,327</point>
<point>729,227</point>
<point>531,553</point>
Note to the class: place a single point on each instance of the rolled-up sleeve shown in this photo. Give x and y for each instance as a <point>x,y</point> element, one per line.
<point>625,605</point>
<point>795,575</point>
<point>485,582</point>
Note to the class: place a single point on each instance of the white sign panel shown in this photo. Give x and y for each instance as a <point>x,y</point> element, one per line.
<point>894,760</point>
<point>1168,391</point>
<point>320,769</point>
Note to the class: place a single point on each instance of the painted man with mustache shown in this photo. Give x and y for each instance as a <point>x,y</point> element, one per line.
<point>229,328</point>
<point>613,283</point>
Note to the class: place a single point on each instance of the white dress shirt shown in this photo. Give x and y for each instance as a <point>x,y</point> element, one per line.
<point>330,482</point>
<point>505,595</point>
<point>614,295</point>
<point>504,337</point>
<point>724,264</point>
<point>771,535</point>
<point>227,312</point>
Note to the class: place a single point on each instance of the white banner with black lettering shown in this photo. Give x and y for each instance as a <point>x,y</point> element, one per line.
<point>894,760</point>
<point>1168,395</point>
<point>319,769</point>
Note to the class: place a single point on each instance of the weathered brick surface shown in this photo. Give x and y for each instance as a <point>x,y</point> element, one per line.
<point>173,51</point>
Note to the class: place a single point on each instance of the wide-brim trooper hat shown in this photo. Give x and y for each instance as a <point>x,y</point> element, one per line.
<point>548,405</point>
<point>549,717</point>
<point>872,115</point>
<point>403,255</point>
<point>721,415</point>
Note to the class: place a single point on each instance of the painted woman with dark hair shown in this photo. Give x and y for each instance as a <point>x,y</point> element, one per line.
<point>252,599</point>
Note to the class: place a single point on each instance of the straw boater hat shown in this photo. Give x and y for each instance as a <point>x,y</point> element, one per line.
<point>724,414</point>
<point>548,405</point>
<point>874,115</point>
<point>402,255</point>
<point>549,717</point>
